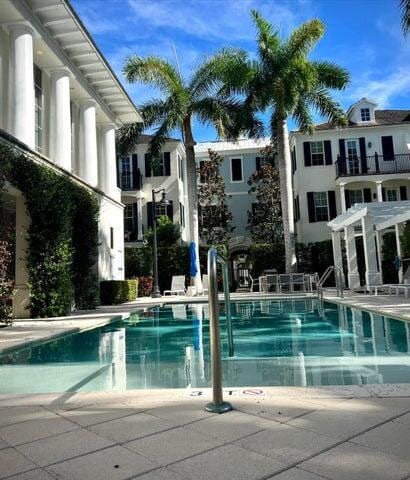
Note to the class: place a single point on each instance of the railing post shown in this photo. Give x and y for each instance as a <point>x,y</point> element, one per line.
<point>217,405</point>
<point>376,161</point>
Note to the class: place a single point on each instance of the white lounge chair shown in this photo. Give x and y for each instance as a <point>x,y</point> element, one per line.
<point>298,281</point>
<point>205,285</point>
<point>396,289</point>
<point>177,286</point>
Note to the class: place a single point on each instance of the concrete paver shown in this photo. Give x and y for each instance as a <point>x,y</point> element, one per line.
<point>13,462</point>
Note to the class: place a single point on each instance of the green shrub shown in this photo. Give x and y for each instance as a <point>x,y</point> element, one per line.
<point>267,256</point>
<point>314,257</point>
<point>172,261</point>
<point>118,291</point>
<point>138,262</point>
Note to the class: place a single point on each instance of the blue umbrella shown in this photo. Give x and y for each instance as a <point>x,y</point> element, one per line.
<point>192,254</point>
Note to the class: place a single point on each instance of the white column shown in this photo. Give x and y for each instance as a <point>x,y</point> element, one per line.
<point>370,257</point>
<point>139,215</point>
<point>342,197</point>
<point>379,253</point>
<point>106,167</point>
<point>398,246</point>
<point>21,109</point>
<point>337,253</point>
<point>88,159</point>
<point>379,191</point>
<point>60,119</point>
<point>353,272</point>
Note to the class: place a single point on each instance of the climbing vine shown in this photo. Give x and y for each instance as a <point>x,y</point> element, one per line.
<point>62,236</point>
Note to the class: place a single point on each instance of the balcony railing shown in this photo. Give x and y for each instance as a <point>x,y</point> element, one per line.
<point>374,165</point>
<point>131,180</point>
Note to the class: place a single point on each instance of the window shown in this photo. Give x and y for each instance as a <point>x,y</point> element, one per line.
<point>180,168</point>
<point>128,218</point>
<point>160,210</point>
<point>111,238</point>
<point>236,170</point>
<point>355,196</point>
<point>391,194</point>
<point>38,98</point>
<point>161,167</point>
<point>321,207</point>
<point>181,215</point>
<point>317,153</point>
<point>126,173</point>
<point>365,114</point>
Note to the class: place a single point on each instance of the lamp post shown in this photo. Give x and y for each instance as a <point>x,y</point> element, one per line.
<point>156,293</point>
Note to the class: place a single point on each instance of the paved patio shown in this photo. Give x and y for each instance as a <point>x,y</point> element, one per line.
<point>346,433</point>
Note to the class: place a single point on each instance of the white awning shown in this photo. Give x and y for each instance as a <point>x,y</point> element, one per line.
<point>382,214</point>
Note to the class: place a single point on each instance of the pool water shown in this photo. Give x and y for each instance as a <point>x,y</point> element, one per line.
<point>291,342</point>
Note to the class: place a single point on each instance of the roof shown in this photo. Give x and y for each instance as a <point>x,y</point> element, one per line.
<point>382,117</point>
<point>147,138</point>
<point>57,23</point>
<point>241,144</point>
<point>382,214</point>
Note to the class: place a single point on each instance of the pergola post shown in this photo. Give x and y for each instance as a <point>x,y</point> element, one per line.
<point>342,197</point>
<point>397,231</point>
<point>370,256</point>
<point>379,253</point>
<point>353,272</point>
<point>337,253</point>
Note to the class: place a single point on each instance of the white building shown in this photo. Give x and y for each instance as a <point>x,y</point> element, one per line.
<point>240,160</point>
<point>335,168</point>
<point>138,176</point>
<point>60,102</point>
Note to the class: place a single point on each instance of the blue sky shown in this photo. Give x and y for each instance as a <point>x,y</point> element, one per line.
<point>363,36</point>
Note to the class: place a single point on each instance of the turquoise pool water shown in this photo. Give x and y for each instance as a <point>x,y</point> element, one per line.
<point>292,342</point>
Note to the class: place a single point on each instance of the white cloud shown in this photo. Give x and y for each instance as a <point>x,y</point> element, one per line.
<point>383,90</point>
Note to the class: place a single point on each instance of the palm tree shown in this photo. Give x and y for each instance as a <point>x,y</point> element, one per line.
<point>181,101</point>
<point>405,19</point>
<point>285,83</point>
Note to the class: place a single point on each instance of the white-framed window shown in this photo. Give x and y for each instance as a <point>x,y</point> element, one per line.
<point>356,196</point>
<point>181,215</point>
<point>317,152</point>
<point>128,218</point>
<point>180,167</point>
<point>236,169</point>
<point>392,195</point>
<point>160,210</point>
<point>38,102</point>
<point>365,114</point>
<point>321,206</point>
<point>126,172</point>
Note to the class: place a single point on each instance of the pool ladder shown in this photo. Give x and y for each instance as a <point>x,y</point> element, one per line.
<point>338,272</point>
<point>218,405</point>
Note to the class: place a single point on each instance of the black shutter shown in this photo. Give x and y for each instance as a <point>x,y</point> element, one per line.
<point>306,153</point>
<point>367,195</point>
<point>403,193</point>
<point>118,172</point>
<point>149,215</point>
<point>331,197</point>
<point>387,148</point>
<point>298,206</point>
<point>295,165</point>
<point>258,163</point>
<point>363,159</point>
<point>148,170</point>
<point>170,211</point>
<point>347,199</point>
<point>135,220</point>
<point>383,194</point>
<point>311,207</point>
<point>167,164</point>
<point>328,152</point>
<point>135,179</point>
<point>342,148</point>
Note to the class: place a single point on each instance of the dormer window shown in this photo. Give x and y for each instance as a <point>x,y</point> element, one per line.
<point>365,114</point>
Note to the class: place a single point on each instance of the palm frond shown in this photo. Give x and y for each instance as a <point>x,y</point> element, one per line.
<point>331,75</point>
<point>160,137</point>
<point>153,71</point>
<point>322,101</point>
<point>304,38</point>
<point>303,116</point>
<point>267,38</point>
<point>127,136</point>
<point>405,16</point>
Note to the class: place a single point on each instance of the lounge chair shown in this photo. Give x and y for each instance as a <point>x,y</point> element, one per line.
<point>205,285</point>
<point>285,281</point>
<point>177,286</point>
<point>298,281</point>
<point>272,281</point>
<point>396,289</point>
<point>253,283</point>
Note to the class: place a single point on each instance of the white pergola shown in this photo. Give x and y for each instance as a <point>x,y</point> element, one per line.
<point>367,220</point>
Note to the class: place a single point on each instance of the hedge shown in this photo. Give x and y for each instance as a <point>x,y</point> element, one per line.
<point>118,291</point>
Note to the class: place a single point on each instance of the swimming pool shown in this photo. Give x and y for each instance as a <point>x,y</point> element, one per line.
<point>277,342</point>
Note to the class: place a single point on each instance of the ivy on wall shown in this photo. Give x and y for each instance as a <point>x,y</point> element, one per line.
<point>62,236</point>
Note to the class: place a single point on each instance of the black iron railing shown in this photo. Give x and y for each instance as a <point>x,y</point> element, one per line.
<point>373,165</point>
<point>131,180</point>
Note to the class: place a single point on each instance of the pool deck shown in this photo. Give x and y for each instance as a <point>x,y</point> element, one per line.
<point>281,433</point>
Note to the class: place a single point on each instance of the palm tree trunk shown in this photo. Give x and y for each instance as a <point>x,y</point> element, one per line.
<point>192,197</point>
<point>286,194</point>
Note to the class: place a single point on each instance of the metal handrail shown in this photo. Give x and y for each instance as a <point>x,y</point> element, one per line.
<point>217,405</point>
<point>338,280</point>
<point>227,298</point>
